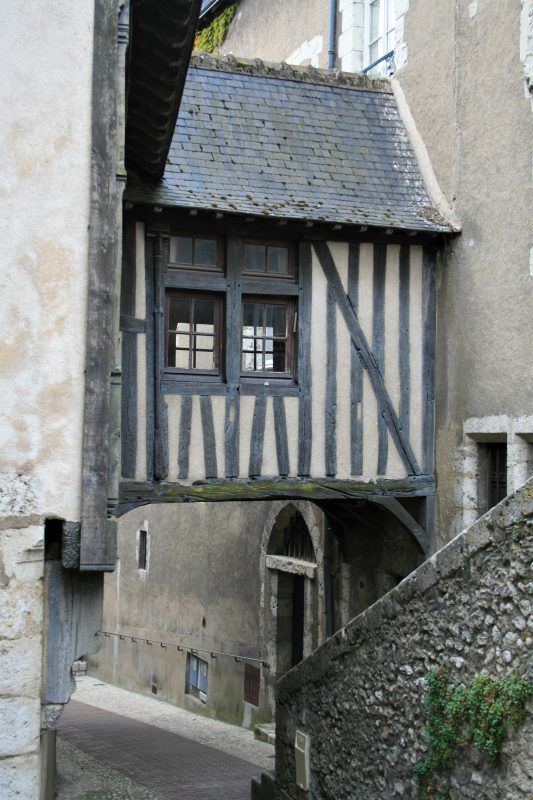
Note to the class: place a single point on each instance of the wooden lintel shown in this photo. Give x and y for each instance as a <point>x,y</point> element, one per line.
<point>135,494</point>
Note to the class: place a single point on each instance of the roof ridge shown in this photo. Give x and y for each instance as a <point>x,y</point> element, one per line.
<point>256,67</point>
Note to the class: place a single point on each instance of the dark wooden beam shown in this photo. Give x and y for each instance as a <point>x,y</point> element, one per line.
<point>330,411</point>
<point>404,345</point>
<point>280,425</point>
<point>304,359</point>
<point>134,494</point>
<point>378,343</point>
<point>395,507</point>
<point>356,370</point>
<point>96,549</point>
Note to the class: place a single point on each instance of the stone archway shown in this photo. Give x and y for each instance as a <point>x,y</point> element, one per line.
<point>293,601</point>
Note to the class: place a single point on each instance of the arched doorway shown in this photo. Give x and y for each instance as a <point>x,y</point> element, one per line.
<point>293,587</point>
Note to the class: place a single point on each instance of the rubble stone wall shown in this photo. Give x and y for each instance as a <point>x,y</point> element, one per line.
<point>360,697</point>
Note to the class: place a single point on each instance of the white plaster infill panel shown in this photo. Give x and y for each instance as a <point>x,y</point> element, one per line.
<point>293,565</point>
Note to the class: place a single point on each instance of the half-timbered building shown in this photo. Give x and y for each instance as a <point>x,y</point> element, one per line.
<point>278,327</point>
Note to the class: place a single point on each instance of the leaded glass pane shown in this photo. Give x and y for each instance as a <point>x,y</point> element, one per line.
<point>278,260</point>
<point>204,315</point>
<point>276,324</point>
<point>181,249</point>
<point>179,313</point>
<point>254,257</point>
<point>205,252</point>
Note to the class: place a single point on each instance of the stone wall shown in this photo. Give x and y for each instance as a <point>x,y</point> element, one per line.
<point>360,696</point>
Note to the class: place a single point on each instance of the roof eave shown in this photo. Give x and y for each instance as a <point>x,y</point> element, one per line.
<point>162,38</point>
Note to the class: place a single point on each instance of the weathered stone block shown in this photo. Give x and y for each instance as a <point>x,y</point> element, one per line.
<point>19,732</point>
<point>20,777</point>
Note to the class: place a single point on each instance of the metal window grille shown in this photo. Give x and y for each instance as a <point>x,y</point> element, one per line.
<point>497,473</point>
<point>142,549</point>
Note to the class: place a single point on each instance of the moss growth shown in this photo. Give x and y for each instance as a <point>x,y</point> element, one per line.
<point>461,717</point>
<point>210,38</point>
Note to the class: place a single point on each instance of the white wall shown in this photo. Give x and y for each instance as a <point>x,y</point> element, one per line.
<point>45,125</point>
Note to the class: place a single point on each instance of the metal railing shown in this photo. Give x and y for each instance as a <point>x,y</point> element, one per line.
<point>388,57</point>
<point>185,648</point>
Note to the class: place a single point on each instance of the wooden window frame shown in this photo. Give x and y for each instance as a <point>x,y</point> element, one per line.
<point>193,373</point>
<point>217,269</point>
<point>271,276</point>
<point>193,689</point>
<point>289,376</point>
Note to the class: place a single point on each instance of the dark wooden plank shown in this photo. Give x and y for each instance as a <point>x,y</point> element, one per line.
<point>356,370</point>
<point>367,359</point>
<point>174,279</point>
<point>193,387</point>
<point>129,404</point>
<point>282,447</point>
<point>261,286</point>
<point>429,299</point>
<point>184,442</point>
<point>404,347</point>
<point>160,408</point>
<point>135,494</point>
<point>128,277</point>
<point>233,313</point>
<point>96,548</point>
<point>378,344</point>
<point>428,520</point>
<point>150,356</point>
<point>231,434</point>
<point>208,431</point>
<point>305,279</point>
<point>257,436</point>
<point>330,411</point>
<point>272,390</point>
<point>132,325</point>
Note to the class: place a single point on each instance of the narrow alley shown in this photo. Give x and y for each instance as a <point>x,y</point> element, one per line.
<point>117,745</point>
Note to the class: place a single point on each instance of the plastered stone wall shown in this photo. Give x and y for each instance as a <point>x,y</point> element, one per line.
<point>206,587</point>
<point>360,696</point>
<point>280,31</point>
<point>45,114</point>
<point>466,85</point>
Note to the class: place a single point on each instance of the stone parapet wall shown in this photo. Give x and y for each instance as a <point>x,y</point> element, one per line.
<point>360,697</point>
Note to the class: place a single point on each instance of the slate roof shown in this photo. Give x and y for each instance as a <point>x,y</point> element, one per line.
<point>309,146</point>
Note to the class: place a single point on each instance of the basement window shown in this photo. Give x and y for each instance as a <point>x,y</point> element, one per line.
<point>196,677</point>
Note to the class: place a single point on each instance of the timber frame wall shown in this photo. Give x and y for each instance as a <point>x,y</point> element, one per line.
<point>358,422</point>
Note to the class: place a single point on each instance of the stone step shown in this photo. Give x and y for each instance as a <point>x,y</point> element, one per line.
<point>266,732</point>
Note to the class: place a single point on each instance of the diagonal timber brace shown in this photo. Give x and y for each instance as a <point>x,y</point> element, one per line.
<point>367,358</point>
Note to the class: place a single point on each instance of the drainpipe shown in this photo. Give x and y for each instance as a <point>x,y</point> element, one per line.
<point>332,33</point>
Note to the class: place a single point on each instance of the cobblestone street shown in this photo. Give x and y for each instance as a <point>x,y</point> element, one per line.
<point>117,745</point>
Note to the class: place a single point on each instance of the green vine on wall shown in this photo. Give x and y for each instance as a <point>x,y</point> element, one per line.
<point>210,38</point>
<point>460,717</point>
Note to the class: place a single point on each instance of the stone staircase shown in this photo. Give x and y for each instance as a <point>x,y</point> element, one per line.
<point>263,787</point>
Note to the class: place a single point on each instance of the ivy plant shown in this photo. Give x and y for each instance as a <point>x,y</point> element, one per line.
<point>459,717</point>
<point>210,38</point>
